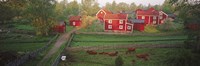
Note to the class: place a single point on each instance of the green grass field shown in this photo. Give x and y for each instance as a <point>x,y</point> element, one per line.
<point>102,40</point>
<point>157,57</point>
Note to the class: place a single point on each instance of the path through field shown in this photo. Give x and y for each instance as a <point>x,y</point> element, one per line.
<point>62,38</point>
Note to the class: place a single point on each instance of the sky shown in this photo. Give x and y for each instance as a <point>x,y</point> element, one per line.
<point>137,2</point>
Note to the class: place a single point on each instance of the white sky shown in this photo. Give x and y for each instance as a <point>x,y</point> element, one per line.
<point>137,2</point>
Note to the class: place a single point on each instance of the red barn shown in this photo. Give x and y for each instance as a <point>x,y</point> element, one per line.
<point>101,13</point>
<point>75,21</point>
<point>138,24</point>
<point>151,16</point>
<point>117,23</point>
<point>60,27</point>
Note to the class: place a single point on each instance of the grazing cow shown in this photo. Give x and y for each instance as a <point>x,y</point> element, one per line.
<point>142,56</point>
<point>91,52</point>
<point>130,50</point>
<point>102,53</point>
<point>113,53</point>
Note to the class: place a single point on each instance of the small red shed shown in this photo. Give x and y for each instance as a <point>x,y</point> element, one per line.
<point>138,24</point>
<point>101,13</point>
<point>60,27</point>
<point>75,21</point>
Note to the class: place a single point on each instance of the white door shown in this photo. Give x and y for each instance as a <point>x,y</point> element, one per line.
<point>74,23</point>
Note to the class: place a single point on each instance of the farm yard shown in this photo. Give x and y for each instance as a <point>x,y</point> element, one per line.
<point>160,49</point>
<point>96,33</point>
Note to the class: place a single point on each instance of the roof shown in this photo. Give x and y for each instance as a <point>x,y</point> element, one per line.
<point>137,21</point>
<point>171,15</point>
<point>116,16</point>
<point>107,11</point>
<point>71,18</point>
<point>150,11</point>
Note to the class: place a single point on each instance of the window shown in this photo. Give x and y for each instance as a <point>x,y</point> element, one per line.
<point>74,23</point>
<point>143,17</point>
<point>161,17</point>
<point>121,22</point>
<point>101,12</point>
<point>109,26</point>
<point>110,21</point>
<point>161,13</point>
<point>129,27</point>
<point>154,22</point>
<point>162,22</point>
<point>120,26</point>
<point>154,17</point>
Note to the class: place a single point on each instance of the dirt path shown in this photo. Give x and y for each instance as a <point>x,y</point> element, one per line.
<point>62,38</point>
<point>124,46</point>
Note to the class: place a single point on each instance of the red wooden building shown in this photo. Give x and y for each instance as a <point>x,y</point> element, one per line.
<point>101,13</point>
<point>138,24</point>
<point>75,21</point>
<point>151,16</point>
<point>60,27</point>
<point>117,23</point>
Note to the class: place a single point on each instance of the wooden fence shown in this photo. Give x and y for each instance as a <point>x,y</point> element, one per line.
<point>30,55</point>
<point>56,62</point>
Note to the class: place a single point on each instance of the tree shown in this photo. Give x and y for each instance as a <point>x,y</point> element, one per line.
<point>89,7</point>
<point>188,11</point>
<point>133,6</point>
<point>60,10</point>
<point>41,13</point>
<point>10,9</point>
<point>122,6</point>
<point>166,7</point>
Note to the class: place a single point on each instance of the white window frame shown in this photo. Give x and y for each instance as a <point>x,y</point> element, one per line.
<point>143,17</point>
<point>162,21</point>
<point>121,22</point>
<point>110,21</point>
<point>161,17</point>
<point>101,12</point>
<point>129,27</point>
<point>73,23</point>
<point>161,13</point>
<point>154,17</point>
<point>154,22</point>
<point>109,26</point>
<point>121,26</point>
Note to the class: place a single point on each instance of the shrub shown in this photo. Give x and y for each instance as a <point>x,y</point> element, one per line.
<point>119,61</point>
<point>170,26</point>
<point>150,29</point>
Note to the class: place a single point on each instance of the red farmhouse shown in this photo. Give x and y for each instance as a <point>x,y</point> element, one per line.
<point>117,23</point>
<point>101,13</point>
<point>75,21</point>
<point>60,27</point>
<point>151,16</point>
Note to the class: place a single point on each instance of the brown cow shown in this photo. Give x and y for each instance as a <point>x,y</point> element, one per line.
<point>91,52</point>
<point>113,53</point>
<point>102,53</point>
<point>143,56</point>
<point>130,50</point>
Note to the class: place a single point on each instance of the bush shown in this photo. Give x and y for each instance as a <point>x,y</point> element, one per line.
<point>119,61</point>
<point>170,26</point>
<point>150,29</point>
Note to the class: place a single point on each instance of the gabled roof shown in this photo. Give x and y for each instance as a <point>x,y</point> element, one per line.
<point>137,20</point>
<point>71,18</point>
<point>150,11</point>
<point>116,16</point>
